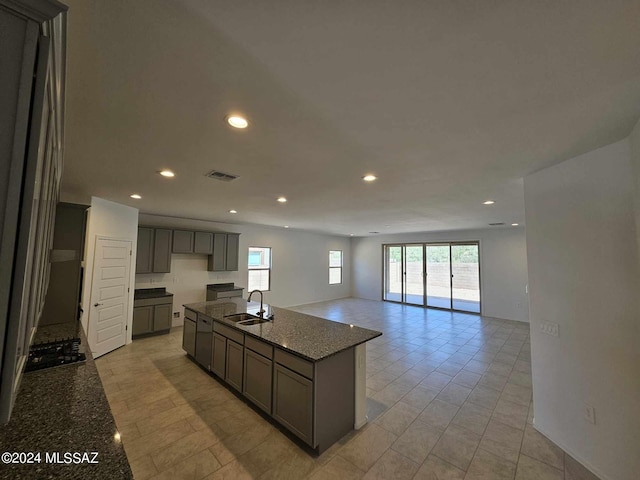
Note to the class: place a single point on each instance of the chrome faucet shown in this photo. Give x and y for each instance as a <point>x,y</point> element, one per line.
<point>261,311</point>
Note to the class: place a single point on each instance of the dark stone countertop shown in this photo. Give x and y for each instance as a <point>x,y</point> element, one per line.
<point>223,287</point>
<point>144,293</point>
<point>313,338</point>
<point>64,409</point>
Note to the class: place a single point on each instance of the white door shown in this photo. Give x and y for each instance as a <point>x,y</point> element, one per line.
<point>109,295</point>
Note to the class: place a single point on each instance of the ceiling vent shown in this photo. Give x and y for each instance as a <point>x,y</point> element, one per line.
<point>223,177</point>
<point>496,224</point>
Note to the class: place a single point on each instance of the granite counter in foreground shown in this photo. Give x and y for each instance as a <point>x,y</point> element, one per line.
<point>59,410</point>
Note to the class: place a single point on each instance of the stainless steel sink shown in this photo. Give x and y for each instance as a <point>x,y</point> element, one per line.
<point>241,317</point>
<point>253,321</point>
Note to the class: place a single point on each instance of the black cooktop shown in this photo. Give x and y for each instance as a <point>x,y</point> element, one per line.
<point>54,354</point>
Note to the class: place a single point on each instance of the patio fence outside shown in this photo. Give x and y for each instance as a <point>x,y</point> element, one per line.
<point>466,279</point>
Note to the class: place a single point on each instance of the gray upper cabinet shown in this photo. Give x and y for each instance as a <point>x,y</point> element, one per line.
<point>182,241</point>
<point>218,260</point>
<point>162,250</point>
<point>225,253</point>
<point>144,255</point>
<point>233,241</point>
<point>203,243</point>
<point>153,254</point>
<point>155,246</point>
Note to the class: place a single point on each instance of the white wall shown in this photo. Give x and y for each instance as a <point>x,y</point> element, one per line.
<point>503,267</point>
<point>113,220</point>
<point>583,276</point>
<point>300,272</point>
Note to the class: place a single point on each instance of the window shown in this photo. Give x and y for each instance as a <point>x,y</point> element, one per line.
<point>259,268</point>
<point>335,267</point>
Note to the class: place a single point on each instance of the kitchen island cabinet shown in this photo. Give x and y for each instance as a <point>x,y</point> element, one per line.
<point>306,372</point>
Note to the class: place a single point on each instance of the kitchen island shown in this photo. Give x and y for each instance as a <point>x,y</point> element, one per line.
<point>307,373</point>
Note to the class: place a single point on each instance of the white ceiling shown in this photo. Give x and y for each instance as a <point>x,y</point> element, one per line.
<point>449,103</point>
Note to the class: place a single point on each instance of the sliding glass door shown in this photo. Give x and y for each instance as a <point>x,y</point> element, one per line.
<point>393,275</point>
<point>438,275</point>
<point>414,274</point>
<point>465,277</point>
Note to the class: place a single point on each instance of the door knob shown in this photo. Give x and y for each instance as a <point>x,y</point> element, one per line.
<point>97,304</point>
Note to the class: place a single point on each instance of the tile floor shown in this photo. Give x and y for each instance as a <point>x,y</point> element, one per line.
<point>449,397</point>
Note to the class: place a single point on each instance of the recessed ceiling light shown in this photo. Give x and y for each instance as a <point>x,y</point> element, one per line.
<point>167,173</point>
<point>136,196</point>
<point>282,199</point>
<point>515,224</point>
<point>233,211</point>
<point>489,202</point>
<point>286,226</point>
<point>369,178</point>
<point>351,234</point>
<point>236,121</point>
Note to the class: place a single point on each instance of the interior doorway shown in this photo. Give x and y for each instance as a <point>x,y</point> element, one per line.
<point>109,295</point>
<point>437,275</point>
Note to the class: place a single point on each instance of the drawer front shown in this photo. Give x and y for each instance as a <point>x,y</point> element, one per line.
<point>145,302</point>
<point>229,332</point>
<point>190,314</point>
<point>230,294</point>
<point>257,346</point>
<point>297,364</point>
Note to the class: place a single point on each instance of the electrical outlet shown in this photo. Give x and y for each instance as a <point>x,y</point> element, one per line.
<point>176,314</point>
<point>549,328</point>
<point>589,413</point>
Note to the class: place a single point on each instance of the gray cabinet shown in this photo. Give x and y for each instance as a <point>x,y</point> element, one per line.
<point>162,317</point>
<point>162,250</point>
<point>155,246</point>
<point>235,360</point>
<point>313,400</point>
<point>182,241</point>
<point>228,354</point>
<point>218,260</point>
<point>142,320</point>
<point>151,315</point>
<point>204,341</point>
<point>153,254</point>
<point>144,252</point>
<point>232,250</point>
<point>225,252</point>
<point>258,377</point>
<point>203,243</point>
<point>219,358</point>
<point>189,337</point>
<point>293,402</point>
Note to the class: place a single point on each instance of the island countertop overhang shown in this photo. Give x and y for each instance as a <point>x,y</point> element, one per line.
<point>307,336</point>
